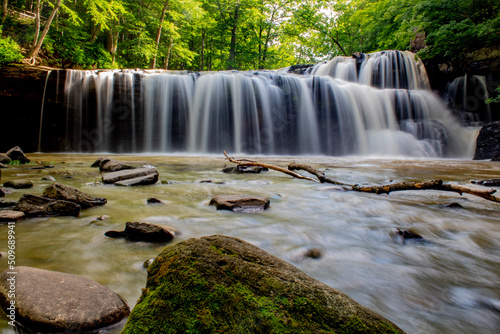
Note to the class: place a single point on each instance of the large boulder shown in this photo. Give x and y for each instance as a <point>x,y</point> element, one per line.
<point>16,153</point>
<point>110,165</point>
<point>49,301</point>
<point>226,285</point>
<point>240,203</point>
<point>37,206</point>
<point>138,231</point>
<point>137,176</point>
<point>67,193</point>
<point>488,142</point>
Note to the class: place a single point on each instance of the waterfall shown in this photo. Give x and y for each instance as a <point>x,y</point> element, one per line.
<point>379,104</point>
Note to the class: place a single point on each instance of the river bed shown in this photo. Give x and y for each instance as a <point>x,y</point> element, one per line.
<point>447,284</point>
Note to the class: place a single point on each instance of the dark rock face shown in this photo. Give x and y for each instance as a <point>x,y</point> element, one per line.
<point>240,203</point>
<point>16,153</point>
<point>110,165</point>
<point>50,301</point>
<point>2,193</point>
<point>4,159</point>
<point>5,203</point>
<point>137,176</point>
<point>36,206</point>
<point>18,184</point>
<point>488,142</point>
<point>137,231</point>
<point>11,216</point>
<point>226,285</point>
<point>67,193</point>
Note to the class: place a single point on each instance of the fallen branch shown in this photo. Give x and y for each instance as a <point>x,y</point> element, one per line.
<point>246,162</point>
<point>385,189</point>
<point>428,185</point>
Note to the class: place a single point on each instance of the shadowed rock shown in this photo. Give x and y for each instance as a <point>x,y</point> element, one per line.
<point>110,165</point>
<point>18,184</point>
<point>4,159</point>
<point>16,153</point>
<point>5,203</point>
<point>488,142</point>
<point>37,206</point>
<point>240,203</point>
<point>67,193</point>
<point>49,301</point>
<point>137,231</point>
<point>2,193</point>
<point>226,285</point>
<point>244,169</point>
<point>143,176</point>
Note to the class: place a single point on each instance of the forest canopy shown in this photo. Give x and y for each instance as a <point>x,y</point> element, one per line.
<point>237,34</point>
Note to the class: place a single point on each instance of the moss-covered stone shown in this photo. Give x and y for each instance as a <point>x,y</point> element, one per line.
<point>220,284</point>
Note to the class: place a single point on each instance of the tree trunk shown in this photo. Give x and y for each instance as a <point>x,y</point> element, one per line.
<point>232,47</point>
<point>37,24</point>
<point>168,53</point>
<point>158,34</point>
<point>202,53</point>
<point>34,52</point>
<point>4,10</point>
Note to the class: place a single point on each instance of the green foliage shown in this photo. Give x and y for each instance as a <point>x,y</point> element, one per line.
<point>10,52</point>
<point>494,99</point>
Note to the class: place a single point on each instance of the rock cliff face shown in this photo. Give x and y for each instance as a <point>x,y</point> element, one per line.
<point>488,142</point>
<point>221,284</point>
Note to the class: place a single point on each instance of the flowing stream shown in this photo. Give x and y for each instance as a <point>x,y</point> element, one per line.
<point>447,284</point>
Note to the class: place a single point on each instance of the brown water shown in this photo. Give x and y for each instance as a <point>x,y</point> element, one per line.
<point>449,284</point>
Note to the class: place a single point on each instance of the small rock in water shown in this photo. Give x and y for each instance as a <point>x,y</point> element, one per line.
<point>313,253</point>
<point>48,178</point>
<point>454,205</point>
<point>137,231</point>
<point>54,302</point>
<point>407,235</point>
<point>488,183</point>
<point>240,203</point>
<point>147,263</point>
<point>63,192</point>
<point>244,169</point>
<point>110,165</point>
<point>11,216</point>
<point>5,204</point>
<point>18,184</point>
<point>153,200</point>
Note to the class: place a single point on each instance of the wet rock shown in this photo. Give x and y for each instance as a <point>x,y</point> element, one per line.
<point>37,206</point>
<point>454,205</point>
<point>488,142</point>
<point>62,192</point>
<point>147,263</point>
<point>233,286</point>
<point>244,169</point>
<point>132,176</point>
<point>153,200</point>
<point>6,204</point>
<point>16,153</point>
<point>18,184</point>
<point>4,159</point>
<point>313,253</point>
<point>49,301</point>
<point>488,183</point>
<point>405,236</point>
<point>300,68</point>
<point>240,203</point>
<point>3,166</point>
<point>2,193</point>
<point>110,165</point>
<point>48,178</point>
<point>11,216</point>
<point>137,231</point>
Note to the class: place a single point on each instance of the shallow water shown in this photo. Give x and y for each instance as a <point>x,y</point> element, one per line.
<point>448,284</point>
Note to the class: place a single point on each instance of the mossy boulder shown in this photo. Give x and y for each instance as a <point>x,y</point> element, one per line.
<point>221,284</point>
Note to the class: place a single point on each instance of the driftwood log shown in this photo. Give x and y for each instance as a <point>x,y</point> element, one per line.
<point>384,189</point>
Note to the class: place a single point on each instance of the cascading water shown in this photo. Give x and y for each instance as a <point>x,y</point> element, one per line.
<point>379,105</point>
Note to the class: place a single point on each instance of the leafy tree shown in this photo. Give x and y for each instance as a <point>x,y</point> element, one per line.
<point>10,52</point>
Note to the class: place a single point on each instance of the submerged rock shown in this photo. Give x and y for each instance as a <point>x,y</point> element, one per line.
<point>138,231</point>
<point>488,142</point>
<point>488,183</point>
<point>5,203</point>
<point>226,285</point>
<point>11,216</point>
<point>244,169</point>
<point>37,206</point>
<point>313,253</point>
<point>67,193</point>
<point>110,165</point>
<point>49,301</point>
<point>135,176</point>
<point>154,200</point>
<point>16,153</point>
<point>454,205</point>
<point>18,184</point>
<point>240,203</point>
